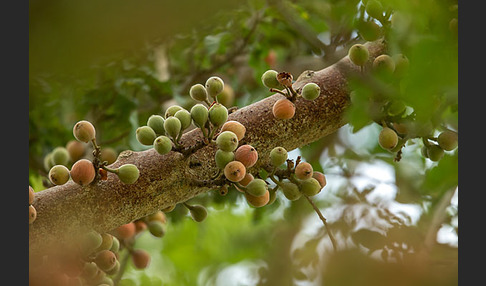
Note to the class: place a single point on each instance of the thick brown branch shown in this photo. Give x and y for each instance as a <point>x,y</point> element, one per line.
<point>63,212</point>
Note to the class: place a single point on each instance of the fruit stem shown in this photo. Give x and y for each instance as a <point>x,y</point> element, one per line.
<point>188,206</point>
<point>211,133</point>
<point>179,136</point>
<point>115,171</point>
<point>240,186</point>
<point>178,146</point>
<point>278,91</point>
<point>277,182</point>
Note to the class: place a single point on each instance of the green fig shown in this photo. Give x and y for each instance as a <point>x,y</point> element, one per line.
<point>156,122</point>
<point>310,91</point>
<point>257,187</point>
<point>223,157</point>
<point>200,115</point>
<point>359,54</point>
<point>278,156</point>
<point>269,79</point>
<point>214,86</point>
<point>172,126</point>
<point>162,145</point>
<point>145,135</point>
<point>198,92</point>
<point>227,141</point>
<point>184,117</point>
<point>218,114</point>
<point>128,173</point>
<point>59,175</point>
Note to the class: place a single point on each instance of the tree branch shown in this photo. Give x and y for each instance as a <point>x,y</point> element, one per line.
<point>66,211</point>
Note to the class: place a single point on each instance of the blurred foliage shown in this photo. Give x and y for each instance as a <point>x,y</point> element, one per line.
<point>126,62</point>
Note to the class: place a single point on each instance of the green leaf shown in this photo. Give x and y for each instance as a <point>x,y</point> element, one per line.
<point>443,176</point>
<point>370,239</point>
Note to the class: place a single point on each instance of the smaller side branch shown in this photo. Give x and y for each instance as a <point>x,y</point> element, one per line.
<point>331,236</point>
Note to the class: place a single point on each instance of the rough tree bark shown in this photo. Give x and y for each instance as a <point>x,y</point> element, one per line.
<point>63,212</point>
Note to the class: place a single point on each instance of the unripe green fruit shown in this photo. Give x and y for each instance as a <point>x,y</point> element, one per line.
<point>278,156</point>
<point>198,92</point>
<point>375,9</point>
<point>310,91</point>
<point>369,30</point>
<point>448,140</point>
<point>98,278</point>
<point>105,260</point>
<point>387,138</point>
<point>140,258</point>
<point>156,122</point>
<point>84,131</point>
<point>290,191</point>
<point>235,127</point>
<point>115,245</point>
<point>91,241</point>
<point>218,114</point>
<point>89,270</point>
<point>48,161</point>
<point>32,214</point>
<point>396,107</point>
<point>227,141</point>
<point>257,201</point>
<point>227,96</point>
<point>435,152</point>
<point>359,54</point>
<point>156,228</point>
<point>223,157</point>
<point>310,187</point>
<point>214,86</point>
<point>247,155</point>
<point>184,117</point>
<point>269,79</point>
<point>106,242</point>
<point>145,135</point>
<point>198,213</point>
<point>320,177</point>
<point>273,196</point>
<point>59,175</point>
<point>162,145</point>
<point>200,115</point>
<point>257,187</point>
<point>60,156</point>
<point>109,155</point>
<point>304,171</point>
<point>401,65</point>
<point>172,126</point>
<point>128,173</point>
<point>234,171</point>
<point>83,172</point>
<point>31,195</point>
<point>283,109</point>
<point>384,64</point>
<point>171,110</point>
